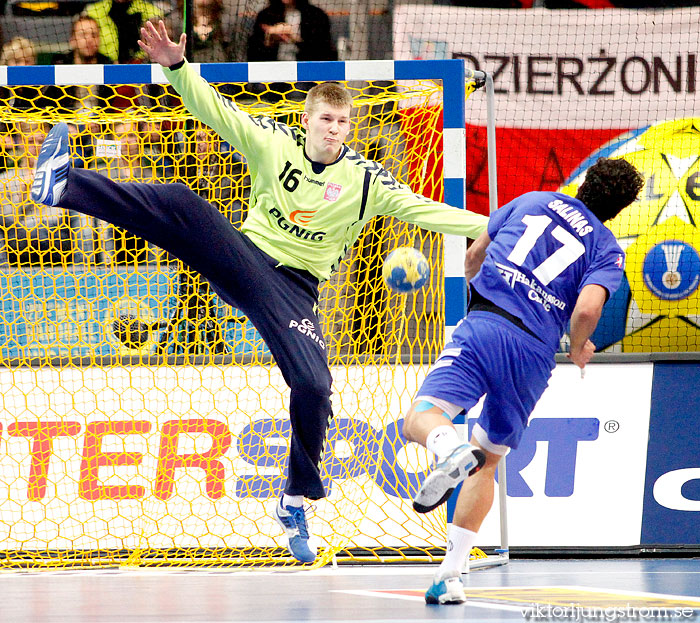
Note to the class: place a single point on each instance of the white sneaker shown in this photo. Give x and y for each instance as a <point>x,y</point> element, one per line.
<point>447,588</point>
<point>464,461</point>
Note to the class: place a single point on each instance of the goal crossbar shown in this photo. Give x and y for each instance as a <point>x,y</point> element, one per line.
<point>452,74</point>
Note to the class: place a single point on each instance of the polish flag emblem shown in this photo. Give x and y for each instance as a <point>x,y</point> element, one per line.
<point>332,191</point>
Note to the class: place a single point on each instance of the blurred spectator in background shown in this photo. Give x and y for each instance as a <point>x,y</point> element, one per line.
<point>7,149</point>
<point>291,30</point>
<point>220,175</point>
<point>492,4</point>
<point>84,44</point>
<point>20,52</point>
<point>209,44</point>
<point>33,234</point>
<point>119,23</point>
<point>128,156</point>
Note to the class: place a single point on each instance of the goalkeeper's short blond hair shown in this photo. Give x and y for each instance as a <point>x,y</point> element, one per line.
<point>330,93</point>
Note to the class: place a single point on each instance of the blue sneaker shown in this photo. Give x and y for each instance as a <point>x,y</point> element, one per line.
<point>464,461</point>
<point>446,588</point>
<point>293,522</point>
<point>52,167</point>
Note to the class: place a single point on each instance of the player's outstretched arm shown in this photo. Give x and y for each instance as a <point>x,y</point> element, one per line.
<point>475,256</point>
<point>584,319</point>
<point>399,201</point>
<point>156,43</point>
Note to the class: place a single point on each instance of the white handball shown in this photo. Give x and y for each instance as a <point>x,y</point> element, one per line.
<point>405,270</point>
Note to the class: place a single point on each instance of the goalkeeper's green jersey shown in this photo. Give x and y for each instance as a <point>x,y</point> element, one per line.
<point>306,214</point>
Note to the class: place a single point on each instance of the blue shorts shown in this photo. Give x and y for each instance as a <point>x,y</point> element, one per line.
<point>490,355</point>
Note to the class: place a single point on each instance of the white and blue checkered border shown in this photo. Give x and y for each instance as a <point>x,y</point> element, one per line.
<point>451,72</point>
<point>447,70</point>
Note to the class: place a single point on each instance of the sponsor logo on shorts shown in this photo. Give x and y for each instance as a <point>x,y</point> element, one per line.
<point>306,327</point>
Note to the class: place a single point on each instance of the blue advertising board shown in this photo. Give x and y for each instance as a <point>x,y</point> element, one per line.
<point>69,313</point>
<point>672,484</point>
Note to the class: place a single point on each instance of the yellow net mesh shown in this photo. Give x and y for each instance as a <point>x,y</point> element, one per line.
<point>164,443</point>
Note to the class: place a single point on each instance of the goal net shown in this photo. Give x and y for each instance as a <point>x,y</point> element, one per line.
<point>164,442</point>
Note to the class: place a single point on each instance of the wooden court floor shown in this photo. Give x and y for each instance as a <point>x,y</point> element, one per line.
<point>536,590</point>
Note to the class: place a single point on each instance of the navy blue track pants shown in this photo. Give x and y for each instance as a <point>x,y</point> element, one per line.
<point>279,301</point>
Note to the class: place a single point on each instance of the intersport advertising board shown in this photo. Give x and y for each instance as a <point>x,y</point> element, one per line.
<point>87,480</point>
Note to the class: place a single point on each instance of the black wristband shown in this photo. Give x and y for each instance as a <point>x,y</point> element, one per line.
<point>177,65</point>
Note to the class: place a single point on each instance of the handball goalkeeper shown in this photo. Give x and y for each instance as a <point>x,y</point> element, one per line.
<point>311,196</point>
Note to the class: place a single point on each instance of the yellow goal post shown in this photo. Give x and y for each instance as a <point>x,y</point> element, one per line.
<point>144,422</point>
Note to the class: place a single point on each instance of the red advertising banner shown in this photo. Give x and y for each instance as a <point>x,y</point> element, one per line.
<point>566,81</point>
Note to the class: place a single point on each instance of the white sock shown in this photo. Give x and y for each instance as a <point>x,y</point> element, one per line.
<point>442,440</point>
<point>459,544</point>
<point>292,500</point>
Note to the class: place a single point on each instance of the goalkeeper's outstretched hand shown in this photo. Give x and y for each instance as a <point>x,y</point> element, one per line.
<point>156,43</point>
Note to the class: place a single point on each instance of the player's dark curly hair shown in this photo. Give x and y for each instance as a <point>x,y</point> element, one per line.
<point>611,184</point>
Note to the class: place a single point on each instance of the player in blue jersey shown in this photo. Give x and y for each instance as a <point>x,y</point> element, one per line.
<point>311,197</point>
<point>545,259</point>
